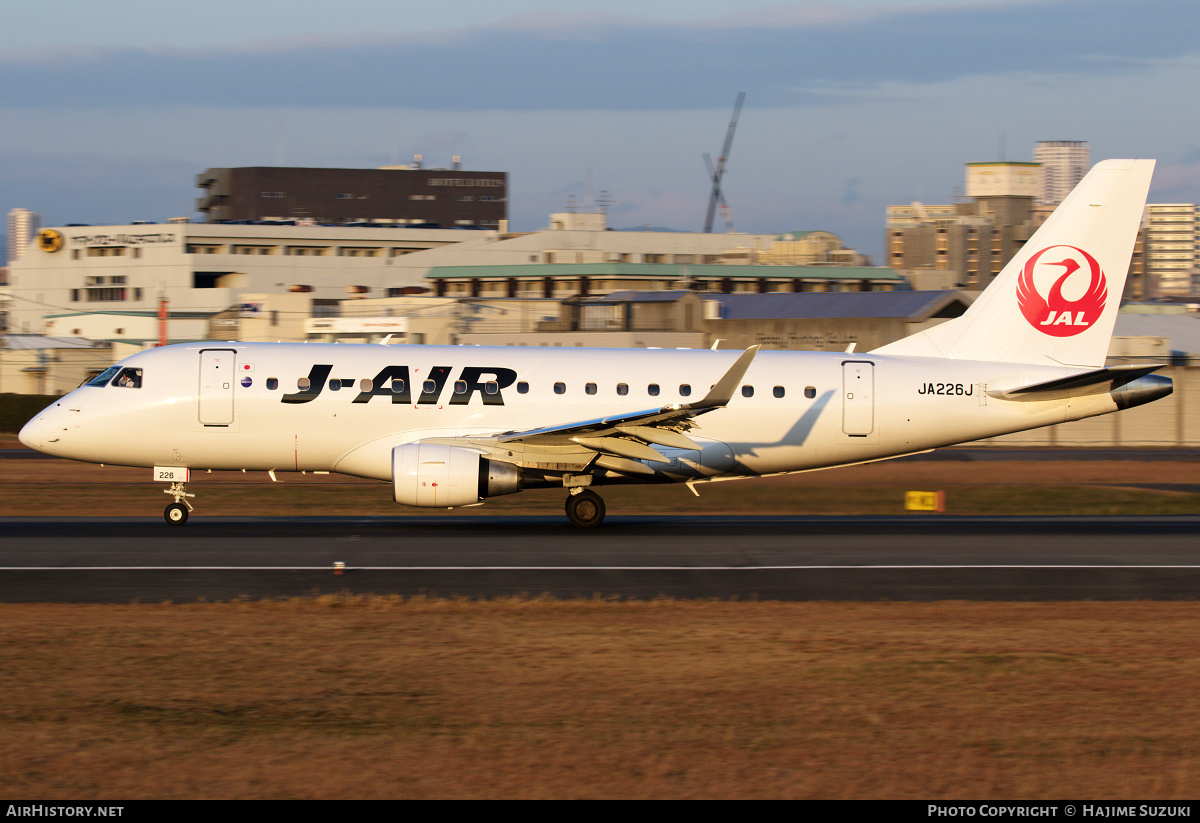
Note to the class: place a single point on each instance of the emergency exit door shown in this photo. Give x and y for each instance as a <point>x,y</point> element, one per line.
<point>217,373</point>
<point>858,398</point>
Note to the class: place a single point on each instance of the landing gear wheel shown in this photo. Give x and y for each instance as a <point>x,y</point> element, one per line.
<point>176,514</point>
<point>585,509</point>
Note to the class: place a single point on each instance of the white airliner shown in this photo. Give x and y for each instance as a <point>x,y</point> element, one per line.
<point>453,426</point>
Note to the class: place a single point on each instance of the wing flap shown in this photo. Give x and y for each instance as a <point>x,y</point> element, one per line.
<point>621,446</point>
<point>622,464</point>
<point>660,437</point>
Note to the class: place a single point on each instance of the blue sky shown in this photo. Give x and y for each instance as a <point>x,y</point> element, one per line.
<point>107,111</point>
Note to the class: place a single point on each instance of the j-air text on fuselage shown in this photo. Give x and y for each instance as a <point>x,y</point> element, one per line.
<point>454,426</point>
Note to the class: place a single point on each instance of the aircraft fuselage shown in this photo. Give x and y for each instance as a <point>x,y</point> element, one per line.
<point>793,410</point>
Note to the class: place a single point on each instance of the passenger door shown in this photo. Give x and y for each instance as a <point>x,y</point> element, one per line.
<point>218,370</point>
<point>858,398</point>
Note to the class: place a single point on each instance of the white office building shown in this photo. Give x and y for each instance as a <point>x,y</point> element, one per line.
<point>207,268</point>
<point>203,268</point>
<point>22,225</point>
<point>1064,163</point>
<point>1172,246</point>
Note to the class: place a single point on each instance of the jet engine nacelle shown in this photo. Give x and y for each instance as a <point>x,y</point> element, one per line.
<point>439,476</point>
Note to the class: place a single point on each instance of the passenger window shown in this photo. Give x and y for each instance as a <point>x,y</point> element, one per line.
<point>590,388</point>
<point>334,385</point>
<point>272,383</point>
<point>522,388</point>
<point>685,390</point>
<point>810,392</point>
<point>397,385</point>
<point>652,390</point>
<point>429,386</point>
<point>302,384</point>
<point>491,387</point>
<point>560,388</point>
<point>622,389</point>
<point>129,379</point>
<point>747,391</point>
<point>460,386</point>
<point>365,384</point>
<point>778,391</point>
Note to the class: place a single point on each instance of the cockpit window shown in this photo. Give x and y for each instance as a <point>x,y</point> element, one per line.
<point>129,379</point>
<point>103,377</point>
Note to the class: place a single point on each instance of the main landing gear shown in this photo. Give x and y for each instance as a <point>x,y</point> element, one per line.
<point>585,508</point>
<point>177,513</point>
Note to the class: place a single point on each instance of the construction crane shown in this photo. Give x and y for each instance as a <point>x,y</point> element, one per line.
<point>717,172</point>
<point>725,215</point>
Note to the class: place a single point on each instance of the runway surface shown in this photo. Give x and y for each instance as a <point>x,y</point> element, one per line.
<point>122,560</point>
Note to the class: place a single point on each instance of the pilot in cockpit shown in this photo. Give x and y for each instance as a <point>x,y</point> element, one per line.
<point>129,379</point>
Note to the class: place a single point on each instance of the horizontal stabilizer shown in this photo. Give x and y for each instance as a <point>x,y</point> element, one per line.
<point>1100,381</point>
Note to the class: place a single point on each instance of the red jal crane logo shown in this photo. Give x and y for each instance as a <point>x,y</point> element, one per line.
<point>1056,315</point>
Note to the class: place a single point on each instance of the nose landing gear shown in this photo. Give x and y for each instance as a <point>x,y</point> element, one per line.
<point>585,508</point>
<point>176,513</point>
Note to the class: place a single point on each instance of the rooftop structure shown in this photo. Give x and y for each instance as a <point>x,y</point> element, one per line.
<point>393,195</point>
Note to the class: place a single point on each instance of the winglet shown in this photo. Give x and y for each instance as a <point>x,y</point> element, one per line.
<point>722,393</point>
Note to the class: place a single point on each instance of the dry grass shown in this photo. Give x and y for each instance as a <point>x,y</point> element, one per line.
<point>382,697</point>
<point>385,697</point>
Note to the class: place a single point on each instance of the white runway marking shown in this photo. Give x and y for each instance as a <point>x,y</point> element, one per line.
<point>843,567</point>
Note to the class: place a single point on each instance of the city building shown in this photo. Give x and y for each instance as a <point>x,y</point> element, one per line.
<point>580,255</point>
<point>22,226</point>
<point>390,196</point>
<point>137,328</point>
<point>36,364</point>
<point>580,279</point>
<point>209,268</point>
<point>679,318</point>
<point>1172,233</point>
<point>803,248</point>
<point>1064,163</point>
<point>202,267</point>
<point>969,241</point>
<point>965,245</point>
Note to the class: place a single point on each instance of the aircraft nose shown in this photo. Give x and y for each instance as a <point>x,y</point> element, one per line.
<point>41,433</point>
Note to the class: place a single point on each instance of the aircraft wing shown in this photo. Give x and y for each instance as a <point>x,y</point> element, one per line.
<point>621,440</point>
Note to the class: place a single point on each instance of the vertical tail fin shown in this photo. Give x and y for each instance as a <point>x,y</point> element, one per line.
<point>1056,301</point>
